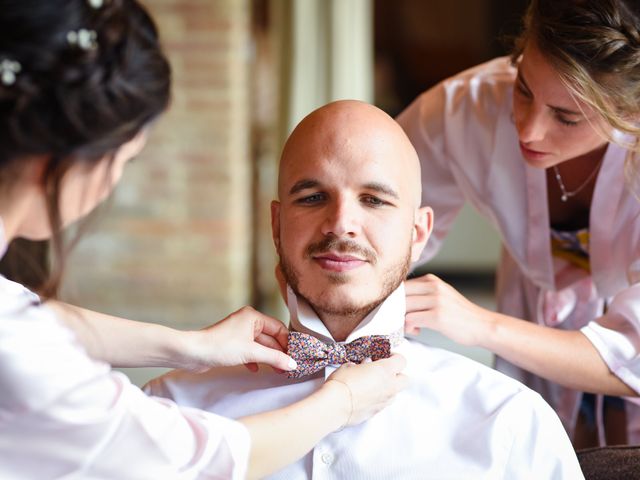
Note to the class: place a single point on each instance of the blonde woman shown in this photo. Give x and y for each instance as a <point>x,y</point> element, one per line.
<point>544,145</point>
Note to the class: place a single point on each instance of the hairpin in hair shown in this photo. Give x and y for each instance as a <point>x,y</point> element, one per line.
<point>83,38</point>
<point>9,70</point>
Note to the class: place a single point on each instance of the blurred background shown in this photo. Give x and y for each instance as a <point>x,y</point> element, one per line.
<point>186,238</point>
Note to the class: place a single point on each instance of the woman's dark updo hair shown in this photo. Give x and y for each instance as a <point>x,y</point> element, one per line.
<point>71,102</point>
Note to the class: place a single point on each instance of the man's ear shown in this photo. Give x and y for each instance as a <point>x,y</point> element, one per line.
<point>422,227</point>
<point>275,223</point>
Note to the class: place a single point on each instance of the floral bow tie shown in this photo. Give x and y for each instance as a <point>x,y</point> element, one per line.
<point>313,355</point>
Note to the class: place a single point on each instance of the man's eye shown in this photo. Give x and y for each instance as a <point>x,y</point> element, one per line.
<point>373,201</point>
<point>311,199</point>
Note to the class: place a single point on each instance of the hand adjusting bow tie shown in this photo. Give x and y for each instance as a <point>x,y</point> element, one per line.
<point>313,355</point>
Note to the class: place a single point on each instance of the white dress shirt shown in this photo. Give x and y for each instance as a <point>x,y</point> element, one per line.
<point>457,420</point>
<point>464,134</point>
<point>64,415</point>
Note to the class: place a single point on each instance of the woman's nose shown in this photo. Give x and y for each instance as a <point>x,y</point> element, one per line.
<point>531,125</point>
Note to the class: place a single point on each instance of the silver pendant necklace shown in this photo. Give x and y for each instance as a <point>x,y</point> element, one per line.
<point>566,195</point>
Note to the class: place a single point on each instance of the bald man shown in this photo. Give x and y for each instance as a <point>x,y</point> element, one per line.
<point>346,226</point>
<point>348,223</point>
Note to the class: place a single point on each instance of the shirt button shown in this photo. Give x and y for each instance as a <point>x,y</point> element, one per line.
<point>327,458</point>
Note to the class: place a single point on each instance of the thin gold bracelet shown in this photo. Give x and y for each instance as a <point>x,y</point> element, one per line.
<point>350,401</point>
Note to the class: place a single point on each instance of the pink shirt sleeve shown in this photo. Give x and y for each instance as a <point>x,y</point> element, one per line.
<point>63,414</point>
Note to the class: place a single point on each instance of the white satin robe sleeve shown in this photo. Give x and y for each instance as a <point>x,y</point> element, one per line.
<point>440,190</point>
<point>64,415</point>
<point>456,128</point>
<point>616,336</point>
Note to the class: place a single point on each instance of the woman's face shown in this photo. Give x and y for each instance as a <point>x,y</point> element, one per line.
<point>552,125</point>
<point>83,187</point>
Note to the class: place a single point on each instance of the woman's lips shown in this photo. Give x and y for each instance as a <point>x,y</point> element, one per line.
<point>532,154</point>
<point>338,263</point>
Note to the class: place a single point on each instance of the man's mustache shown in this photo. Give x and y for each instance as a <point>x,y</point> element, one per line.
<point>340,245</point>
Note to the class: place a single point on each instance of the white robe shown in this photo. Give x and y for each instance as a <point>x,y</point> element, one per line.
<point>457,420</point>
<point>468,146</point>
<point>65,415</point>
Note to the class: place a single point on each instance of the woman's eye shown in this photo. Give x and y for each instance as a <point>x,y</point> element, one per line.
<point>564,121</point>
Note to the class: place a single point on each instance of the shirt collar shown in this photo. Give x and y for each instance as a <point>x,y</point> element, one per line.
<point>386,319</point>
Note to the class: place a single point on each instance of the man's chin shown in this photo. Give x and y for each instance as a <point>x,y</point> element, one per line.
<point>341,300</point>
<point>341,284</point>
<point>339,278</point>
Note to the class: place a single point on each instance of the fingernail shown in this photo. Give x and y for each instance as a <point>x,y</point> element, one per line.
<point>292,364</point>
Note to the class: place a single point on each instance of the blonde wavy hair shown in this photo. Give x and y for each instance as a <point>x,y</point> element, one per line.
<point>595,47</point>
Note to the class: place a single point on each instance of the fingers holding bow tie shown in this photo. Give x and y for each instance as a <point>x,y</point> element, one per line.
<point>433,303</point>
<point>245,337</point>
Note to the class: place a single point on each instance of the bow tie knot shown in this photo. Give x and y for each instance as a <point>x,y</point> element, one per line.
<point>337,355</point>
<point>313,355</point>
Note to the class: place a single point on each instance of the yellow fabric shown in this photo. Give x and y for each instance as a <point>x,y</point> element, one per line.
<point>572,247</point>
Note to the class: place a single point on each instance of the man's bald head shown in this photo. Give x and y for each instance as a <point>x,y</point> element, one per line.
<point>351,126</point>
<point>348,223</point>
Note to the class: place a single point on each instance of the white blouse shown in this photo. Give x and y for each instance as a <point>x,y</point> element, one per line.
<point>64,415</point>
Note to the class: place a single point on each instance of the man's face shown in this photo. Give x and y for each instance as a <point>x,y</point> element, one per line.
<point>346,227</point>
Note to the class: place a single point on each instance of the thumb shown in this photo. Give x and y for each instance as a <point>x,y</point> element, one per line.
<point>273,357</point>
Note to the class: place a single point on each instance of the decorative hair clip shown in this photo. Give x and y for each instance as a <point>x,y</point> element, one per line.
<point>96,3</point>
<point>9,70</point>
<point>83,38</point>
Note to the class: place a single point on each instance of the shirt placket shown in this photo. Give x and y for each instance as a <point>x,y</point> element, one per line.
<point>323,462</point>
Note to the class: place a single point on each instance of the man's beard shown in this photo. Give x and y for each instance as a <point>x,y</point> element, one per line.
<point>393,277</point>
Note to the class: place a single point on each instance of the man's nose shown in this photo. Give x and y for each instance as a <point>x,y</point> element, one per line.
<point>532,125</point>
<point>342,219</point>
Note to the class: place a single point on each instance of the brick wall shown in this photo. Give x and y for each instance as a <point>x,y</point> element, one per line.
<point>173,245</point>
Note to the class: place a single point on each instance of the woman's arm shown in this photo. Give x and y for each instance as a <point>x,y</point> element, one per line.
<point>565,357</point>
<point>95,416</point>
<point>352,394</point>
<point>244,337</point>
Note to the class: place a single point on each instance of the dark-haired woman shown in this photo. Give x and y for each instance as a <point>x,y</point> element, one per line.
<point>545,145</point>
<point>80,82</point>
